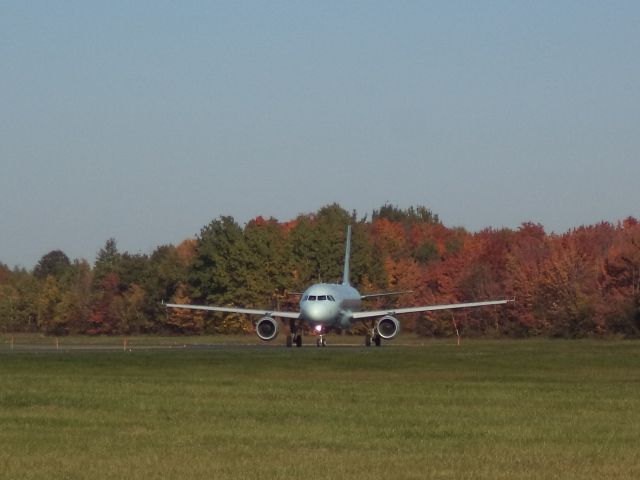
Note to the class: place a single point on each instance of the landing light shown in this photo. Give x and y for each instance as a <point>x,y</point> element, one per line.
<point>318,328</point>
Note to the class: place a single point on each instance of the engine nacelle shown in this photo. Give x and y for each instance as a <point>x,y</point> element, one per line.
<point>388,327</point>
<point>267,328</point>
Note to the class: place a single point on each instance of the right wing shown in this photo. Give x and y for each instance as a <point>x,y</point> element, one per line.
<point>383,294</point>
<point>247,311</point>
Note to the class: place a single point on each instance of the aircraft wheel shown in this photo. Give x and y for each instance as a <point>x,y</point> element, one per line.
<point>377,339</point>
<point>367,340</point>
<point>318,343</point>
<point>323,342</point>
<point>298,341</point>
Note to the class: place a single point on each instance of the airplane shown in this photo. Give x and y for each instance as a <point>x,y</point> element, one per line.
<point>327,306</point>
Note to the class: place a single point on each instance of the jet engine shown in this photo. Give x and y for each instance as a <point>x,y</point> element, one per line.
<point>267,328</point>
<point>388,327</point>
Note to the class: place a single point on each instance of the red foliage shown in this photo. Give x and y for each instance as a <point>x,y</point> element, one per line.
<point>101,320</point>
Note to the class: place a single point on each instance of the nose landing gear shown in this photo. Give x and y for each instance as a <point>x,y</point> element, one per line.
<point>320,341</point>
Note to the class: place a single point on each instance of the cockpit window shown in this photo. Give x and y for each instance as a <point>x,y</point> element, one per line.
<point>312,298</point>
<point>322,297</point>
<point>305,297</point>
<point>330,297</point>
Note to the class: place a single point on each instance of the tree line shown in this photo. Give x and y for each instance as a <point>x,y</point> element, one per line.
<point>585,282</point>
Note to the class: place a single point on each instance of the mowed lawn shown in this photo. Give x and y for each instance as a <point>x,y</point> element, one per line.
<point>487,409</point>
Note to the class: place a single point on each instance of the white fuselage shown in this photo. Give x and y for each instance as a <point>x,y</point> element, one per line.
<point>329,305</point>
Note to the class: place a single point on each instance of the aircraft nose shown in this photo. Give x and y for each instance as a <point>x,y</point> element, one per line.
<point>313,311</point>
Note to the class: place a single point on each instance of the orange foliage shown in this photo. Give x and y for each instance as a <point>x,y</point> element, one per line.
<point>182,320</point>
<point>389,237</point>
<point>187,250</point>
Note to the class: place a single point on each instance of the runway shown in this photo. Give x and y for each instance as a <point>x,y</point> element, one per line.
<point>34,343</point>
<point>76,348</point>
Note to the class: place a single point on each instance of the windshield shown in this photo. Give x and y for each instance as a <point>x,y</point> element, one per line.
<point>319,298</point>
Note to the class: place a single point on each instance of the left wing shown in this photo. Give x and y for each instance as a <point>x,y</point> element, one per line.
<point>399,311</point>
<point>247,311</point>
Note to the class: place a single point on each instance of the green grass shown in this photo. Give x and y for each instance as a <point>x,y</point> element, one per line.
<point>485,410</point>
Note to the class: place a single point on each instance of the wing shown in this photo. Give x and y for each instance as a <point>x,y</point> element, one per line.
<point>247,311</point>
<point>383,294</point>
<point>400,311</point>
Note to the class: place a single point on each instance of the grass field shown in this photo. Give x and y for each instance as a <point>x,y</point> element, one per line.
<point>485,410</point>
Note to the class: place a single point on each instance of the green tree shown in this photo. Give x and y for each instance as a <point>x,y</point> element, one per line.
<point>107,261</point>
<point>318,245</point>
<point>75,306</point>
<point>406,217</point>
<point>167,273</point>
<point>132,269</point>
<point>9,301</point>
<point>270,267</point>
<point>219,271</point>
<point>55,263</point>
<point>426,252</point>
<point>127,311</point>
<point>24,301</point>
<point>222,270</point>
<point>50,315</point>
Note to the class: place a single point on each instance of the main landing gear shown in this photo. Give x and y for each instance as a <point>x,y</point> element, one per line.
<point>372,336</point>
<point>294,337</point>
<point>321,342</point>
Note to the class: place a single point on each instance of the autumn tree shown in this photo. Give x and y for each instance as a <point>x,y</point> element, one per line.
<point>582,283</point>
<point>120,304</point>
<point>564,292</point>
<point>528,253</point>
<point>166,273</point>
<point>620,281</point>
<point>183,321</point>
<point>390,238</point>
<point>104,309</point>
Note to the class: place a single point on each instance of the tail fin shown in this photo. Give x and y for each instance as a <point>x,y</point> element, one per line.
<point>347,255</point>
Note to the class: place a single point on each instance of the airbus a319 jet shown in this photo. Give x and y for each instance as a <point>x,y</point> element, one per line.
<point>327,306</point>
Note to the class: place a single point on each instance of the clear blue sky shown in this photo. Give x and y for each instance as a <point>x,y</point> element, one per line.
<point>144,121</point>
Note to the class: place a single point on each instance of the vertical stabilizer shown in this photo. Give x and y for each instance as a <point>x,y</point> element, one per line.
<point>347,254</point>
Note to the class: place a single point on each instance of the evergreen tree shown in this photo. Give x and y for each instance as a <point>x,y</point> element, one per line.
<point>54,263</point>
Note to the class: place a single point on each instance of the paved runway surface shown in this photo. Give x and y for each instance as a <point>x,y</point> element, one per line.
<point>52,348</point>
